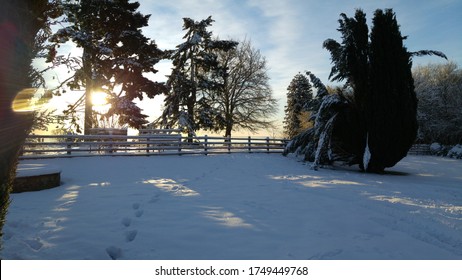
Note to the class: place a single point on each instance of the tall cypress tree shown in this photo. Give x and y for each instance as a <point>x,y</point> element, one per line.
<point>391,103</point>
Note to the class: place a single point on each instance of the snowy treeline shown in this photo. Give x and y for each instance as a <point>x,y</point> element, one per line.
<point>439,91</point>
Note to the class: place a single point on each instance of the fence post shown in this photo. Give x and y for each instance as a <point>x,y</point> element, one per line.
<point>147,145</point>
<point>69,146</point>
<point>249,142</point>
<point>229,143</point>
<point>179,145</point>
<point>267,145</point>
<point>111,145</point>
<point>205,144</point>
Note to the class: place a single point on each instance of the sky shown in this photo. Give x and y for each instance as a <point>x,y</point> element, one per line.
<point>290,33</point>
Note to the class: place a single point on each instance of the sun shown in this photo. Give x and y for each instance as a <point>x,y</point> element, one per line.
<point>98,98</point>
<point>99,102</point>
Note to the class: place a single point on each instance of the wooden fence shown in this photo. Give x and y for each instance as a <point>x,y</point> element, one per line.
<point>154,142</point>
<point>420,149</point>
<point>145,144</point>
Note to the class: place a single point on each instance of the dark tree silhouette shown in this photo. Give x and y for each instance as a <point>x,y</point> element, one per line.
<point>391,106</point>
<point>20,25</point>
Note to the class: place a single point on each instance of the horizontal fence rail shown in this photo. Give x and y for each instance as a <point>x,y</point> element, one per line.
<point>420,149</point>
<point>160,143</point>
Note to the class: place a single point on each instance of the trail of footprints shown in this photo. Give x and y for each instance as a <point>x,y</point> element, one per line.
<point>115,252</point>
<point>130,235</point>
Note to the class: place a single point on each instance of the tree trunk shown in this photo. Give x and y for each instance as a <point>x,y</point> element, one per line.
<point>228,130</point>
<point>229,124</point>
<point>18,27</point>
<point>192,100</point>
<point>88,118</point>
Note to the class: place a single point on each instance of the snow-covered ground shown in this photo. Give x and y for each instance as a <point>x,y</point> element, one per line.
<point>240,206</point>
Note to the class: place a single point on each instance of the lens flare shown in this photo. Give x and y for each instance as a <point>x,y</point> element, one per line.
<point>28,100</point>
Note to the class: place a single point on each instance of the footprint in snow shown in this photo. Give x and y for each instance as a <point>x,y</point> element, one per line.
<point>139,213</point>
<point>154,198</point>
<point>126,221</point>
<point>130,235</point>
<point>114,252</point>
<point>34,244</point>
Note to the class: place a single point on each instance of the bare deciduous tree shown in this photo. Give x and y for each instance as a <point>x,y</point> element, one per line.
<point>244,99</point>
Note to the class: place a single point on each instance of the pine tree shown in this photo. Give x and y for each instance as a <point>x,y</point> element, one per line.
<point>115,56</point>
<point>299,96</point>
<point>193,62</point>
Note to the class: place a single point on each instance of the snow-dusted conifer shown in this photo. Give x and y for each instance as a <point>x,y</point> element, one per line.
<point>299,96</point>
<point>193,61</point>
<point>317,144</point>
<point>115,56</point>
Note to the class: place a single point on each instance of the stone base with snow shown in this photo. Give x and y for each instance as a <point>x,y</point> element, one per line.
<point>35,177</point>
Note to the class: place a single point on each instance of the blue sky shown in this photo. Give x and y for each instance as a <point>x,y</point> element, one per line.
<point>290,33</point>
